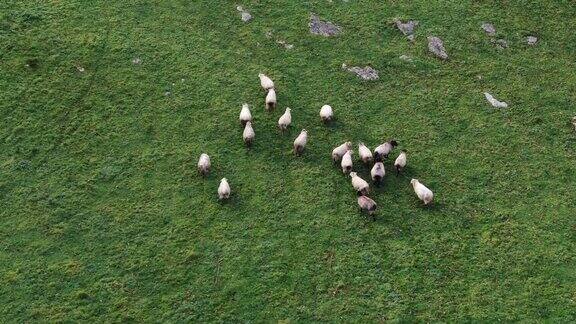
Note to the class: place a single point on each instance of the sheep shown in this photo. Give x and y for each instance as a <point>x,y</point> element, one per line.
<point>270,99</point>
<point>300,142</point>
<point>359,184</point>
<point>346,162</point>
<point>339,151</point>
<point>364,153</point>
<point>245,115</point>
<point>422,192</point>
<point>382,151</point>
<point>248,134</point>
<point>378,171</point>
<point>400,162</point>
<point>368,205</point>
<point>204,164</point>
<point>266,82</point>
<point>223,189</point>
<point>326,113</point>
<point>285,120</point>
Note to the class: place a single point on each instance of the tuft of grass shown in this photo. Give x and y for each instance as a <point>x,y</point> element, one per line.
<point>104,217</point>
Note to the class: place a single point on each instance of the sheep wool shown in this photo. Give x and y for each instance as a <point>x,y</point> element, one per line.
<point>364,153</point>
<point>224,189</point>
<point>266,82</point>
<point>422,191</point>
<point>400,162</point>
<point>368,205</point>
<point>245,115</point>
<point>346,162</point>
<point>359,184</point>
<point>326,113</point>
<point>270,99</point>
<point>204,164</point>
<point>382,151</point>
<point>300,142</point>
<point>248,134</point>
<point>377,173</point>
<point>285,120</point>
<point>339,151</point>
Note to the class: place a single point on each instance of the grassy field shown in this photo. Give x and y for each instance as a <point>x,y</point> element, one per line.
<point>103,217</point>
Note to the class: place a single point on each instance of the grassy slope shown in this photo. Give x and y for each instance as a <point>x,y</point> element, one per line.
<point>103,216</point>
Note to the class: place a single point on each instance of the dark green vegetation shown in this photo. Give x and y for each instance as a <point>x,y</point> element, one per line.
<point>104,218</point>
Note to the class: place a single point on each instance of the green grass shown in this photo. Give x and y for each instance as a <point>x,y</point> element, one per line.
<point>103,217</point>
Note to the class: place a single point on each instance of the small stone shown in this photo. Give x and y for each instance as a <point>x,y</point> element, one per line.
<point>531,40</point>
<point>286,45</point>
<point>136,61</point>
<point>406,28</point>
<point>167,93</point>
<point>436,47</point>
<point>366,73</point>
<point>489,29</point>
<point>246,16</point>
<point>80,69</point>
<point>324,28</point>
<point>495,102</point>
<point>268,34</point>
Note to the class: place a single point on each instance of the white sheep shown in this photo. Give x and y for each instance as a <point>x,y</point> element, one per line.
<point>300,142</point>
<point>248,134</point>
<point>285,120</point>
<point>422,192</point>
<point>223,189</point>
<point>368,205</point>
<point>364,153</point>
<point>266,82</point>
<point>359,184</point>
<point>378,172</point>
<point>326,113</point>
<point>400,162</point>
<point>270,99</point>
<point>204,164</point>
<point>245,115</point>
<point>346,162</point>
<point>339,151</point>
<point>382,151</point>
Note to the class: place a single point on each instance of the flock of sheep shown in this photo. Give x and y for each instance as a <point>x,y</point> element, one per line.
<point>342,153</point>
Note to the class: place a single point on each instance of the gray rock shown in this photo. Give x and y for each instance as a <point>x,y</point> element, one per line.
<point>406,28</point>
<point>136,61</point>
<point>531,40</point>
<point>324,28</point>
<point>366,73</point>
<point>244,14</point>
<point>489,29</point>
<point>406,58</point>
<point>436,47</point>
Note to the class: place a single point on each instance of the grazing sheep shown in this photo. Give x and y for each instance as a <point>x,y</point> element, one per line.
<point>326,113</point>
<point>266,82</point>
<point>368,205</point>
<point>248,134</point>
<point>339,151</point>
<point>400,162</point>
<point>365,153</point>
<point>382,151</point>
<point>285,120</point>
<point>422,192</point>
<point>245,115</point>
<point>346,162</point>
<point>223,189</point>
<point>300,142</point>
<point>204,164</point>
<point>378,171</point>
<point>270,100</point>
<point>495,102</point>
<point>359,184</point>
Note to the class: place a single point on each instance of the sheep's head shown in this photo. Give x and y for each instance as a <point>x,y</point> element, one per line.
<point>260,75</point>
<point>224,180</point>
<point>413,182</point>
<point>288,109</point>
<point>352,174</point>
<point>393,143</point>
